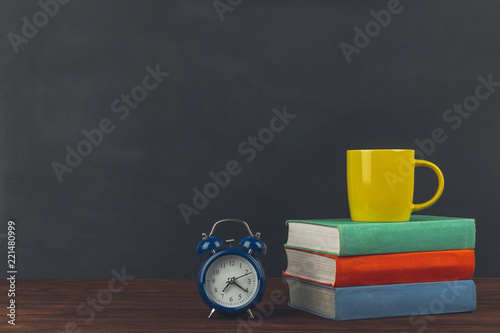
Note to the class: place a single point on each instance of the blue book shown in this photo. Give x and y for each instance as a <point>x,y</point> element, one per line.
<point>381,301</point>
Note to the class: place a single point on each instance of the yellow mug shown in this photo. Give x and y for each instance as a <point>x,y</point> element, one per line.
<point>380,184</point>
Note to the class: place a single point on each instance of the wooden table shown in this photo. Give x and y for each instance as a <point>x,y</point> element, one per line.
<point>173,305</point>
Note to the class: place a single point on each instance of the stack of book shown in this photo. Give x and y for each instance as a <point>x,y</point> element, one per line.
<point>346,270</point>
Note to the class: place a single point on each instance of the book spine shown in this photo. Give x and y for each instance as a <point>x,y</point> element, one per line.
<point>411,267</point>
<point>393,268</point>
<point>410,299</point>
<point>417,236</point>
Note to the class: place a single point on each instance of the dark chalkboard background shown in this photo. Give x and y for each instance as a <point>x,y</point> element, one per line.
<point>119,206</point>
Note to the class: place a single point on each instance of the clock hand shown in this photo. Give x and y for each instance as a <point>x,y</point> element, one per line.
<point>243,275</point>
<point>227,286</point>
<point>237,285</point>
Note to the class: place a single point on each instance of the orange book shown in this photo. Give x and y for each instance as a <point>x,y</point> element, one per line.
<point>410,267</point>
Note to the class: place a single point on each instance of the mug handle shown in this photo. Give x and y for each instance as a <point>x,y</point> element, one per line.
<point>439,174</point>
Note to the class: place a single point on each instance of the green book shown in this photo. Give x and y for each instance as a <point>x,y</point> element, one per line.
<point>343,237</point>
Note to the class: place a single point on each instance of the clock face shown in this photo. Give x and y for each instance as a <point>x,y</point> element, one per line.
<point>231,281</point>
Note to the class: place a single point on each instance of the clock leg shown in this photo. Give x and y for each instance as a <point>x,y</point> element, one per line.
<point>250,314</point>
<point>211,313</point>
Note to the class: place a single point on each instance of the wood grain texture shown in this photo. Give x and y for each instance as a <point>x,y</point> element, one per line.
<point>173,305</point>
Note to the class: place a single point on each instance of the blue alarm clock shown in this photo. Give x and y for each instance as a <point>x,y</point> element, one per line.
<point>231,280</point>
